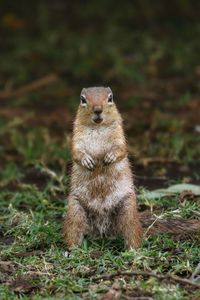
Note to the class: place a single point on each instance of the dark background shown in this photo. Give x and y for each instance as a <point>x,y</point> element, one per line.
<point>148,52</point>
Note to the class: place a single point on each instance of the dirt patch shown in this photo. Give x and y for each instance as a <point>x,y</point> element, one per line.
<point>23,285</point>
<point>6,240</point>
<point>7,266</point>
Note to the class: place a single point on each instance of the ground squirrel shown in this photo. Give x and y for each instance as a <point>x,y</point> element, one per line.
<point>102,199</point>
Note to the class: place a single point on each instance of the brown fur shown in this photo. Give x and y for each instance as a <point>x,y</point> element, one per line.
<point>127,219</point>
<point>102,198</point>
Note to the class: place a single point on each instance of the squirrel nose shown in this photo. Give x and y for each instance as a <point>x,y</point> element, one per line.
<point>97,110</point>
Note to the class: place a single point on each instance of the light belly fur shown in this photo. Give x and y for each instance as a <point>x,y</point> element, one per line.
<point>102,192</point>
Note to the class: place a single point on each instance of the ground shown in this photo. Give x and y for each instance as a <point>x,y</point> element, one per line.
<point>154,72</point>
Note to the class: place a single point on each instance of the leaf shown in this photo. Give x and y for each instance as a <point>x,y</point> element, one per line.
<point>14,22</point>
<point>170,191</point>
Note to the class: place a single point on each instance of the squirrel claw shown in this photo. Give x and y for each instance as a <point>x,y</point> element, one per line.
<point>88,162</point>
<point>109,158</point>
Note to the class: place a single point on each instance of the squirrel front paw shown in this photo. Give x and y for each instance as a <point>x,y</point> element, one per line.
<point>88,162</point>
<point>109,158</point>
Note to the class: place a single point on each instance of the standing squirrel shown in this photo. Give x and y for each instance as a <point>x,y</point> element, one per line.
<point>102,199</point>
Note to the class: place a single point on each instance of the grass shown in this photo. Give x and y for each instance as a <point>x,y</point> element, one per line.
<point>54,275</point>
<point>33,260</point>
<point>157,90</point>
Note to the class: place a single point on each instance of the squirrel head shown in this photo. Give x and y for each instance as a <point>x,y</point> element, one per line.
<point>97,106</point>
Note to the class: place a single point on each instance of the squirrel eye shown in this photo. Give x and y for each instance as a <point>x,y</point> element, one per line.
<point>110,98</point>
<point>83,100</point>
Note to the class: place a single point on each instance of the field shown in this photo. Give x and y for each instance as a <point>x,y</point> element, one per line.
<point>154,72</point>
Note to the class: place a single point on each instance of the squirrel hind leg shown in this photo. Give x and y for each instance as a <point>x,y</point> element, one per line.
<point>75,224</point>
<point>128,224</point>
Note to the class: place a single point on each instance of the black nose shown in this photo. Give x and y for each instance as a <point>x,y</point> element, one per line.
<point>97,110</point>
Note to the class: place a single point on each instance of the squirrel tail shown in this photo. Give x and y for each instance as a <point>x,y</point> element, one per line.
<point>174,226</point>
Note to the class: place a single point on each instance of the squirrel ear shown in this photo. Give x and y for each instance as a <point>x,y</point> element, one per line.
<point>109,89</point>
<point>83,91</point>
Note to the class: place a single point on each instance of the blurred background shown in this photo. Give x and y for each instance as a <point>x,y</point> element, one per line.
<point>148,52</point>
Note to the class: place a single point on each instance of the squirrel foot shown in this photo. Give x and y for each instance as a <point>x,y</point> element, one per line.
<point>88,162</point>
<point>109,158</point>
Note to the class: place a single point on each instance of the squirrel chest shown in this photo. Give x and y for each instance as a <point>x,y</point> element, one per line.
<point>96,141</point>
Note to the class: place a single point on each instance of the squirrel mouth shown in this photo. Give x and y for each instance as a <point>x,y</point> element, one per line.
<point>97,119</point>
